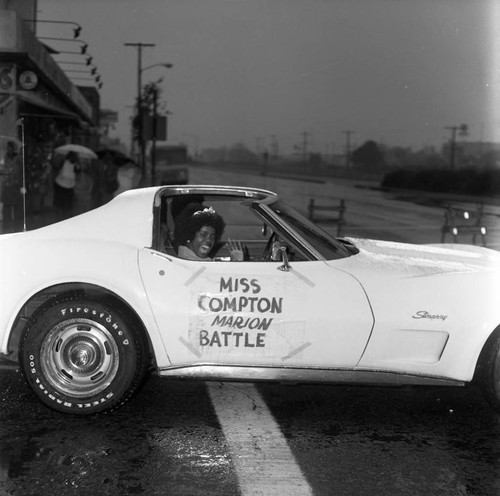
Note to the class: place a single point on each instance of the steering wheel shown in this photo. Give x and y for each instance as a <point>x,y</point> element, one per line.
<point>268,250</point>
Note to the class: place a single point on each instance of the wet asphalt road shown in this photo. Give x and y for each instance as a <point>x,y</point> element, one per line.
<point>169,441</point>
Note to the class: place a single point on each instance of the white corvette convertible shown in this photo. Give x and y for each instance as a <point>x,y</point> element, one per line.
<point>91,304</point>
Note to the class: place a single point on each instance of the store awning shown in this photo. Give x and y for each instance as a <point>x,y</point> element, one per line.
<point>37,108</point>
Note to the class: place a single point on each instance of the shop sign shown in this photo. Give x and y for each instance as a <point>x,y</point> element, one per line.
<point>7,77</point>
<point>154,127</point>
<point>28,80</point>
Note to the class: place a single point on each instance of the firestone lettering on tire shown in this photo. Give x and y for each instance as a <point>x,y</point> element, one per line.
<point>95,403</point>
<point>67,404</point>
<point>107,317</point>
<point>40,366</point>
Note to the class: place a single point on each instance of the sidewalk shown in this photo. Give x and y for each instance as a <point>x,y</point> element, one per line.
<point>45,216</point>
<point>47,213</point>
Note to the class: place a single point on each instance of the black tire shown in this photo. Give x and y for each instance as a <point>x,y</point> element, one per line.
<point>82,357</point>
<point>489,371</point>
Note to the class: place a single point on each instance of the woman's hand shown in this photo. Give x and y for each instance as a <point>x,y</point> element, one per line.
<point>236,250</point>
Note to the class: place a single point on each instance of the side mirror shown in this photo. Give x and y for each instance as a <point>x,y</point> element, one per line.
<point>279,254</point>
<point>284,256</point>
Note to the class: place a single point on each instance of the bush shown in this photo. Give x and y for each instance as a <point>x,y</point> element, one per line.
<point>478,182</point>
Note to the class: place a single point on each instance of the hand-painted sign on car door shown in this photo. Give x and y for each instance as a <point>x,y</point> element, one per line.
<point>246,317</point>
<point>251,313</point>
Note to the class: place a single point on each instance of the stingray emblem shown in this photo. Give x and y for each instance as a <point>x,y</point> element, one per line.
<point>423,314</point>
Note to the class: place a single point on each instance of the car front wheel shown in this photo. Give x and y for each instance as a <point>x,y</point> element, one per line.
<point>489,371</point>
<point>82,357</point>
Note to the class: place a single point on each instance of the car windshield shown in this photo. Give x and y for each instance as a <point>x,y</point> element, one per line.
<point>328,246</point>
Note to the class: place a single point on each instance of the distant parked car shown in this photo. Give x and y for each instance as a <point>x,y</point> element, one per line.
<point>171,164</point>
<point>89,305</point>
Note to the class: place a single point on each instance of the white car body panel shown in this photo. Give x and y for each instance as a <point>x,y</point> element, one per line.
<point>426,301</point>
<point>285,317</point>
<point>423,310</point>
<point>92,248</point>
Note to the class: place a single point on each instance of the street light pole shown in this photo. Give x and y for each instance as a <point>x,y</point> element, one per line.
<point>164,64</point>
<point>76,30</point>
<point>140,135</point>
<point>83,47</point>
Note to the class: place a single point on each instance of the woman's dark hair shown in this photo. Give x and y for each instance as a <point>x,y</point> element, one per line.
<point>179,203</point>
<point>192,219</point>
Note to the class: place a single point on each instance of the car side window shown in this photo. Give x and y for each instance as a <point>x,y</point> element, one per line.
<point>259,241</point>
<point>241,225</point>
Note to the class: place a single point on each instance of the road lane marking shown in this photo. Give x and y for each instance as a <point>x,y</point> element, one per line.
<point>264,463</point>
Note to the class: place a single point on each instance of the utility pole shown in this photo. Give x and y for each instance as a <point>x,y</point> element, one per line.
<point>155,130</point>
<point>305,137</point>
<point>258,146</point>
<point>260,150</point>
<point>348,147</point>
<point>463,128</point>
<point>140,127</point>
<point>275,147</point>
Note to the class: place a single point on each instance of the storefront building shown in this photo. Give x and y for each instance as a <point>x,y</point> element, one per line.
<point>39,105</point>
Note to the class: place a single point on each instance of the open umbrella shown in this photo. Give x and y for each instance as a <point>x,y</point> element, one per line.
<point>10,138</point>
<point>80,150</point>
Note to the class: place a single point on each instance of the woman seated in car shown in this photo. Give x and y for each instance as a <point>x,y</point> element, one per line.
<point>197,235</point>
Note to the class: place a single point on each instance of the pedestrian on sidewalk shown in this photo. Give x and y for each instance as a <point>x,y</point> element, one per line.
<point>111,183</point>
<point>128,177</point>
<point>64,186</point>
<point>105,180</point>
<point>12,190</point>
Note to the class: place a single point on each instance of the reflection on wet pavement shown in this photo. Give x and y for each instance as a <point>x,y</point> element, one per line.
<point>346,440</point>
<point>392,441</point>
<point>159,444</point>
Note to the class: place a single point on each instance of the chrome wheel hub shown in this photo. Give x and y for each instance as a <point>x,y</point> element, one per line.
<point>79,357</point>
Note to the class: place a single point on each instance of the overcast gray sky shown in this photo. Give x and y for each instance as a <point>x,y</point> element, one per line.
<point>396,71</point>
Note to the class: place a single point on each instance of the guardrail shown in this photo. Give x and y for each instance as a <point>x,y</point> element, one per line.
<point>459,221</point>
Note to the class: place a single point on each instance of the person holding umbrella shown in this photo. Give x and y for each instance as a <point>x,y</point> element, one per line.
<point>64,186</point>
<point>104,178</point>
<point>128,176</point>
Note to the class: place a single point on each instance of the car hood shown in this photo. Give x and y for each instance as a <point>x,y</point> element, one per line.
<point>421,260</point>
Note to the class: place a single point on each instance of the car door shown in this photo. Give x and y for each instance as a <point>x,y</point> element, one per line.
<point>253,313</point>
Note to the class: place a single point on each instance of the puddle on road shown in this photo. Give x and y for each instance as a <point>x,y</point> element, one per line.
<point>154,445</point>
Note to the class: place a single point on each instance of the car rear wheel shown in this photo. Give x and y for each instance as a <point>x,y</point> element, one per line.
<point>489,371</point>
<point>82,357</point>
